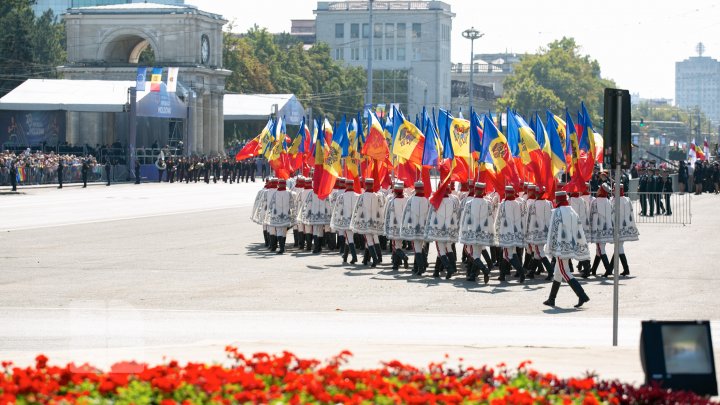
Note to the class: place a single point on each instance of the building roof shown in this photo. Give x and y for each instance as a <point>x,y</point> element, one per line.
<point>142,8</point>
<point>69,95</point>
<point>241,107</point>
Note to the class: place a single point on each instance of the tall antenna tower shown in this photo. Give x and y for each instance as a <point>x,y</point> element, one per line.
<point>700,49</point>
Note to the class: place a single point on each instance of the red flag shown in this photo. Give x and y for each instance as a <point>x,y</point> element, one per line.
<point>251,149</point>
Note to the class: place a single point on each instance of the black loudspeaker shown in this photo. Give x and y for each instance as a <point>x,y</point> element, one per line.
<point>613,97</point>
<point>679,355</point>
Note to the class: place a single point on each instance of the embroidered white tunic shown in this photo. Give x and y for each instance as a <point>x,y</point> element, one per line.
<point>316,210</point>
<point>279,209</point>
<point>538,221</point>
<point>393,217</point>
<point>342,215</point>
<point>601,221</point>
<point>257,215</point>
<point>477,223</point>
<point>627,228</point>
<point>566,239</point>
<point>509,226</point>
<point>368,214</point>
<point>414,218</point>
<point>443,224</point>
<point>579,205</point>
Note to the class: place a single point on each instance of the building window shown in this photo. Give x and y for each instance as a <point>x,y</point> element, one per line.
<point>401,53</point>
<point>355,53</point>
<point>354,30</point>
<point>416,54</point>
<point>401,30</point>
<point>339,54</point>
<point>339,30</point>
<point>389,53</point>
<point>378,53</point>
<point>389,30</point>
<point>417,30</point>
<point>365,53</point>
<point>378,30</point>
<point>366,31</point>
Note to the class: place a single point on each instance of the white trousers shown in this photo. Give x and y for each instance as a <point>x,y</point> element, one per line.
<point>562,271</point>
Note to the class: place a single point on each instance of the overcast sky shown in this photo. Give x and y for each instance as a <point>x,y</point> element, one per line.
<point>636,42</point>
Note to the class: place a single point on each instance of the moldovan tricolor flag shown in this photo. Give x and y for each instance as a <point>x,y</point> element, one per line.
<point>172,79</point>
<point>156,79</point>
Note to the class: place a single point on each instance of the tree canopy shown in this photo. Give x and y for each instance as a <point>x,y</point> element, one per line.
<point>29,46</point>
<point>556,77</point>
<point>265,63</point>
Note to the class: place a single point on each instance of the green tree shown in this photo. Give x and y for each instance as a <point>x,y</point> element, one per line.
<point>29,46</point>
<point>556,77</point>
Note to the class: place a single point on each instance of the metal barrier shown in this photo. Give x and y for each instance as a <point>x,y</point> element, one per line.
<point>662,208</point>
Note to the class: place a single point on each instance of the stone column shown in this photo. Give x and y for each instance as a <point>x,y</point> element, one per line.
<point>213,123</point>
<point>199,122</point>
<point>190,124</point>
<point>207,128</point>
<point>221,122</point>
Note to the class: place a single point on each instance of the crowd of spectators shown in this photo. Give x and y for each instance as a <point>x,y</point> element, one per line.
<point>31,168</point>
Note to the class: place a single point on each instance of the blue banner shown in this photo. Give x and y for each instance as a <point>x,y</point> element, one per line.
<point>160,104</point>
<point>141,78</point>
<point>32,128</point>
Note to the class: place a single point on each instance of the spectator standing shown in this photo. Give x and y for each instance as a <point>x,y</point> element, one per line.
<point>60,172</point>
<point>107,170</point>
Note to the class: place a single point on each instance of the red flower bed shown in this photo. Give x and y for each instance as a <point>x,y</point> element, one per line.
<point>286,378</point>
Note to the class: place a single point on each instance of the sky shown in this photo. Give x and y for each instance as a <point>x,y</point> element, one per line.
<point>636,42</point>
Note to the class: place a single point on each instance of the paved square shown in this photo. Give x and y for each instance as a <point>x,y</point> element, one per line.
<point>137,272</point>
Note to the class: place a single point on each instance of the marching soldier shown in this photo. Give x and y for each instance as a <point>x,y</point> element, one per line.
<point>269,194</point>
<point>477,230</point>
<point>577,203</point>
<point>565,241</point>
<point>368,221</point>
<point>539,213</point>
<point>84,171</point>
<point>414,220</point>
<point>304,230</point>
<point>394,209</point>
<point>279,219</point>
<point>527,200</point>
<point>443,227</point>
<point>510,231</point>
<point>628,230</point>
<point>601,228</point>
<point>317,215</point>
<point>342,218</point>
<point>258,213</point>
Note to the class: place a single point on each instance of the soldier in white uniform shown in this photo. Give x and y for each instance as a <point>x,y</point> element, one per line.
<point>601,228</point>
<point>565,241</point>
<point>477,230</point>
<point>443,225</point>
<point>414,220</point>
<point>526,202</point>
<point>368,221</point>
<point>579,205</point>
<point>304,230</point>
<point>318,216</point>
<point>342,217</point>
<point>279,214</point>
<point>266,213</point>
<point>510,232</point>
<point>332,237</point>
<point>257,214</point>
<point>627,229</point>
<point>394,209</point>
<point>538,222</point>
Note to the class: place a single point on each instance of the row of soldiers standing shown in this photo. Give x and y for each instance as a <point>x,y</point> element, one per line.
<point>494,231</point>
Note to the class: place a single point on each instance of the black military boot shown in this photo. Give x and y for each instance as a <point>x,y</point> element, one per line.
<point>553,294</point>
<point>266,237</point>
<point>273,243</point>
<point>404,259</point>
<point>504,269</point>
<point>295,238</point>
<point>346,251</point>
<point>577,288</point>
<point>378,252</point>
<point>584,267</point>
<point>487,258</point>
<point>515,261</point>
<point>444,264</point>
<point>395,260</point>
<point>373,254</point>
<point>383,242</point>
<point>626,268</point>
<point>453,266</point>
<point>533,267</point>
<point>281,242</point>
<point>417,263</point>
<point>353,253</point>
<point>570,266</point>
<point>308,241</point>
<point>479,266</point>
<point>608,266</point>
<point>366,256</point>
<point>301,240</point>
<point>527,262</point>
<point>341,243</point>
<point>595,265</point>
<point>332,240</point>
<point>472,272</point>
<point>549,267</point>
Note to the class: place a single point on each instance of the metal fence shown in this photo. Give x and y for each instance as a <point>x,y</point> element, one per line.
<point>662,208</point>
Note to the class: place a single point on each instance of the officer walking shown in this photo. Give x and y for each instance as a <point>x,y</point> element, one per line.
<point>13,175</point>
<point>84,170</point>
<point>60,170</point>
<point>137,171</point>
<point>107,171</point>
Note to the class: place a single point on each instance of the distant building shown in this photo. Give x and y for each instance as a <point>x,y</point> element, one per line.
<point>303,30</point>
<point>697,84</point>
<point>411,41</point>
<point>60,6</point>
<point>489,73</point>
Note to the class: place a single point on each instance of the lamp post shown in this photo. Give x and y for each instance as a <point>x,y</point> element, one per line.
<point>371,33</point>
<point>472,34</point>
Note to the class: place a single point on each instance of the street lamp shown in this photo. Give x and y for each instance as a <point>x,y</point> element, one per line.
<point>371,33</point>
<point>472,34</point>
